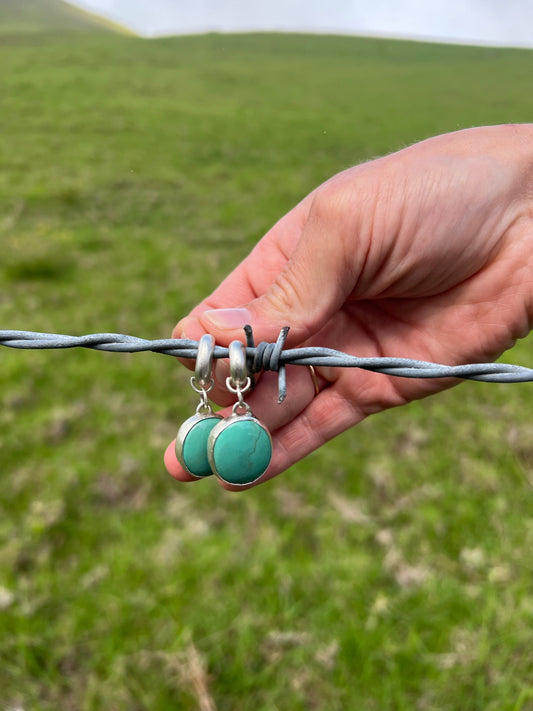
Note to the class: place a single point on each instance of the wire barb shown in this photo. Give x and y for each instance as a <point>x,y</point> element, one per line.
<point>272,356</point>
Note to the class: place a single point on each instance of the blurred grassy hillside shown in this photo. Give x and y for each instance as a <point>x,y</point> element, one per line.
<point>390,570</point>
<point>18,16</point>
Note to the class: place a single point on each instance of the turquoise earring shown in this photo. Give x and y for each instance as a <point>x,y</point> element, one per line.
<point>191,440</point>
<point>239,448</point>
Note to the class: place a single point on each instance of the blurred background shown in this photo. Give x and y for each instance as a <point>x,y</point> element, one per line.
<point>389,570</point>
<point>478,21</point>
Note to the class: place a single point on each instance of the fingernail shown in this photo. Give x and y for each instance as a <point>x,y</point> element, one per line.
<point>227,319</point>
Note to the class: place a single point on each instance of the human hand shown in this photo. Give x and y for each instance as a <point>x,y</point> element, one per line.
<point>425,253</point>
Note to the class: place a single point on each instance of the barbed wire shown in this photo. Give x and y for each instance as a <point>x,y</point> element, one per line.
<point>271,356</point>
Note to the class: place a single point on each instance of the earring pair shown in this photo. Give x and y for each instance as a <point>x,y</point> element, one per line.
<point>238,448</point>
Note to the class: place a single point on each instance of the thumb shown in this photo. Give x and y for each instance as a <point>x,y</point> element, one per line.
<point>309,289</point>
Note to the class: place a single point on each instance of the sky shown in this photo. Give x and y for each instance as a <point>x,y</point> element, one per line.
<point>499,22</point>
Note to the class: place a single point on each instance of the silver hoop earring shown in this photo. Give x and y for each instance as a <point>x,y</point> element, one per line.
<point>239,447</point>
<point>192,437</point>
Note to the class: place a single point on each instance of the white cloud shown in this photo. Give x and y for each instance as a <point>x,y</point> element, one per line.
<point>477,21</point>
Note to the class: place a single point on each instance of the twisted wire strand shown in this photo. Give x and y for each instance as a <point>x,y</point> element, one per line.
<point>272,356</point>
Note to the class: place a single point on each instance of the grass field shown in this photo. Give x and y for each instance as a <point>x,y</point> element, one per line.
<point>391,570</point>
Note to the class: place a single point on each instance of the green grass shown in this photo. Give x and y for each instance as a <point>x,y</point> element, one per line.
<point>390,570</point>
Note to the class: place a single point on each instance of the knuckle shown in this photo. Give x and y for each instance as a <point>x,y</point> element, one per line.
<point>285,294</point>
<point>330,199</point>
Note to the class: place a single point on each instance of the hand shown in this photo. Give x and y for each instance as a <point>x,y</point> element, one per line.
<point>426,253</point>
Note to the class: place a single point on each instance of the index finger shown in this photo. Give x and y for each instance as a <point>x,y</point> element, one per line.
<point>250,279</point>
<point>254,275</point>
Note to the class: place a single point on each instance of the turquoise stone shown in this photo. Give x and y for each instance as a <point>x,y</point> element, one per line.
<point>194,448</point>
<point>241,451</point>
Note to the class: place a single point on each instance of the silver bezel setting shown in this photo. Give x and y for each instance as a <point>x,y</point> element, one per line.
<point>184,430</point>
<point>218,430</point>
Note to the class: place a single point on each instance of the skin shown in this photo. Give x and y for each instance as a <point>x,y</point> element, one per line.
<point>425,253</point>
